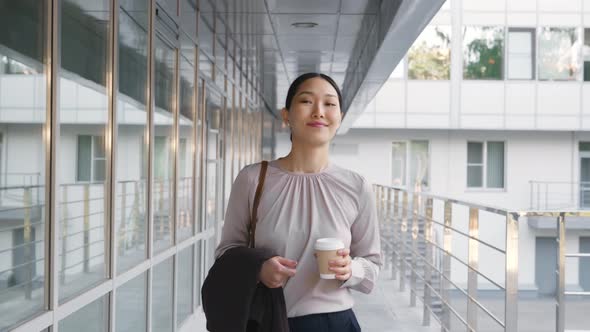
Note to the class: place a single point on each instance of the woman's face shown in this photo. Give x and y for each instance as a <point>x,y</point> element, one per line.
<point>315,113</point>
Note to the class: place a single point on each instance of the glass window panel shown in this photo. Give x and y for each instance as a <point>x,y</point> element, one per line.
<point>521,53</point>
<point>474,153</point>
<point>495,165</point>
<point>220,53</point>
<point>206,33</point>
<point>419,169</point>
<point>99,170</point>
<point>84,49</point>
<point>199,272</point>
<point>131,151</point>
<point>169,6</point>
<point>84,159</point>
<point>586,53</point>
<point>162,297</point>
<point>163,162</point>
<point>131,305</point>
<point>184,284</point>
<point>399,163</point>
<point>483,49</point>
<point>429,58</point>
<point>93,317</point>
<point>22,160</point>
<point>186,127</point>
<point>474,176</point>
<point>559,53</point>
<point>188,17</point>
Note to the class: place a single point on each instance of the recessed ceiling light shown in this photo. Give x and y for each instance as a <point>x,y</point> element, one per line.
<point>304,25</point>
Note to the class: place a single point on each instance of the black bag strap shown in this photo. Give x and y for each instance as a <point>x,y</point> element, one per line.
<point>254,217</point>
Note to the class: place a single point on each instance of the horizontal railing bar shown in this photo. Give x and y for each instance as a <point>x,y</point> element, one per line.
<point>21,245</point>
<point>22,207</point>
<point>496,210</point>
<point>81,216</point>
<point>578,293</point>
<point>84,260</point>
<point>470,237</point>
<point>82,247</point>
<point>460,261</point>
<point>552,213</point>
<point>22,264</point>
<point>82,231</point>
<point>6,290</point>
<point>578,255</point>
<point>20,226</point>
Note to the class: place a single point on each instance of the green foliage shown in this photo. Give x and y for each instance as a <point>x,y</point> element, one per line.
<point>484,56</point>
<point>430,61</point>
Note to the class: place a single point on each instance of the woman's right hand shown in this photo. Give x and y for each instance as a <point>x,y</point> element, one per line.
<point>276,271</point>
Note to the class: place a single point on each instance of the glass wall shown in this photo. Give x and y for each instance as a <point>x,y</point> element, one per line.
<point>131,159</point>
<point>23,213</point>
<point>83,115</point>
<point>150,129</point>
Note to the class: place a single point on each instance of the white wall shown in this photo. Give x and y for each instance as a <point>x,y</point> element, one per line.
<point>488,104</point>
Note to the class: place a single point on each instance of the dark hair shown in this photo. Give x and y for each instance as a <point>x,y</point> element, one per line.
<point>299,80</point>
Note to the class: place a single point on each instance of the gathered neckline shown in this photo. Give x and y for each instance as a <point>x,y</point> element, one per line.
<point>275,164</point>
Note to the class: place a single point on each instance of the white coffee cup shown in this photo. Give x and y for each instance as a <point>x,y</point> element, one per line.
<point>326,249</point>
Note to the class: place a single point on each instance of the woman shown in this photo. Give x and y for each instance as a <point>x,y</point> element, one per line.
<point>306,197</point>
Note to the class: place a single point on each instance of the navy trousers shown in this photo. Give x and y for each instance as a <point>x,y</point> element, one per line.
<point>341,321</point>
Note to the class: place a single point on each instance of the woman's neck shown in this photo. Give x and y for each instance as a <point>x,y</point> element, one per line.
<point>305,159</point>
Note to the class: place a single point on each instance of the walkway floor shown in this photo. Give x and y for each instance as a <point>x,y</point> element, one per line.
<point>388,309</point>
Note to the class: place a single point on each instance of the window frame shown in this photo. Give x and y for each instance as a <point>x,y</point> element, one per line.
<point>93,159</point>
<point>484,165</point>
<point>534,53</point>
<point>407,163</point>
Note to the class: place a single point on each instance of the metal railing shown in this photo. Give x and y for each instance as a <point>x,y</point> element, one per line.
<point>82,225</point>
<point>410,242</point>
<point>559,195</point>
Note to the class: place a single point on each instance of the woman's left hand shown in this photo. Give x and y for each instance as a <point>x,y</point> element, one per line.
<point>341,266</point>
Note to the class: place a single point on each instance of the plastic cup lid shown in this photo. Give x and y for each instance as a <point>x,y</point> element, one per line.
<point>328,243</point>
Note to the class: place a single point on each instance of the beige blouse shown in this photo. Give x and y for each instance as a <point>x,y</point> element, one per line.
<point>298,208</point>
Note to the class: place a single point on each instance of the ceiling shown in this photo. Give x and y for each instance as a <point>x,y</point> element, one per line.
<point>356,42</point>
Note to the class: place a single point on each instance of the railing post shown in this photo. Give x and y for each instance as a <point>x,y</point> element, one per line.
<point>64,234</point>
<point>446,268</point>
<point>511,292</point>
<point>428,232</point>
<point>27,202</point>
<point>560,309</point>
<point>122,220</point>
<point>413,277</point>
<point>396,237</point>
<point>86,228</point>
<point>136,217</point>
<point>473,260</point>
<point>403,235</point>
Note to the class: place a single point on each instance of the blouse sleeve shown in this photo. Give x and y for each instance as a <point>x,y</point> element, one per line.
<point>237,215</point>
<point>365,246</point>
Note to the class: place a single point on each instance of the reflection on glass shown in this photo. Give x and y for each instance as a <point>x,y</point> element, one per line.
<point>559,54</point>
<point>198,272</point>
<point>419,160</point>
<point>162,297</point>
<point>91,318</point>
<point>521,46</point>
<point>131,305</point>
<point>399,163</point>
<point>429,58</point>
<point>213,119</point>
<point>83,116</point>
<point>483,49</point>
<point>184,194</point>
<point>188,17</point>
<point>586,53</point>
<point>199,158</point>
<point>495,165</point>
<point>206,32</point>
<point>184,280</point>
<point>163,163</point>
<point>131,161</point>
<point>22,160</point>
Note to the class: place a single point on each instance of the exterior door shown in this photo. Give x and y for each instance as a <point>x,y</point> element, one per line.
<point>545,265</point>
